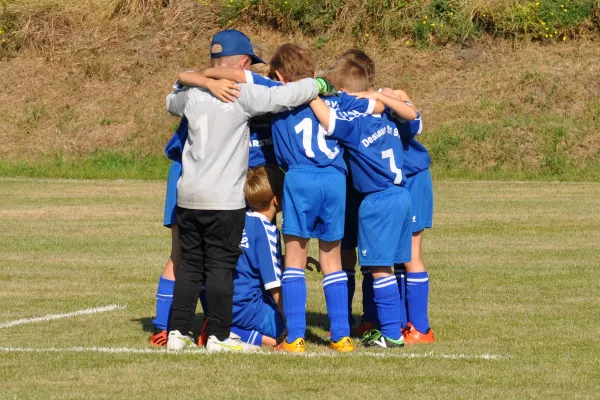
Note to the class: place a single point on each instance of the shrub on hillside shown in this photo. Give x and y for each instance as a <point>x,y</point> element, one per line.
<point>437,21</point>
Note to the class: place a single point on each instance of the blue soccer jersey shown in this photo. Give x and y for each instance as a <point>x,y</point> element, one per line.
<point>258,269</point>
<point>174,148</point>
<point>262,151</point>
<point>261,142</point>
<point>298,137</point>
<point>416,156</point>
<point>375,155</point>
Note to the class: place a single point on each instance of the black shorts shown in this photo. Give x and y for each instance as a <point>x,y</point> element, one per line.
<point>211,237</point>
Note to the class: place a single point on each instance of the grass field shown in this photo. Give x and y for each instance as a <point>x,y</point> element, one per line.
<point>515,302</point>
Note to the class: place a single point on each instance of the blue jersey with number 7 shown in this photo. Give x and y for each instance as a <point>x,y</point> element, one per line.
<point>374,150</point>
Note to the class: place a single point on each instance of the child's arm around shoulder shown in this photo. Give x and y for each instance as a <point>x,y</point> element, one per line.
<point>258,100</point>
<point>403,110</point>
<point>224,89</point>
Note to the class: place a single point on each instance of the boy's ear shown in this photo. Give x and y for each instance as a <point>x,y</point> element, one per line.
<point>275,202</point>
<point>246,62</point>
<point>280,77</point>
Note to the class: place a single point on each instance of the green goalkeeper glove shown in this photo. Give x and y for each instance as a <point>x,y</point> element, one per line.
<point>326,88</point>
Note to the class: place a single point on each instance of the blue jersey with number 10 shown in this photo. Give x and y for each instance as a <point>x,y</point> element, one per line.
<point>299,139</point>
<point>374,149</point>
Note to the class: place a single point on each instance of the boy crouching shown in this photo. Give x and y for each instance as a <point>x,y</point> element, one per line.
<point>257,302</point>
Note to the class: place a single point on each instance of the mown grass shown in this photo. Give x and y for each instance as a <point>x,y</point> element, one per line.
<point>101,165</point>
<point>513,266</point>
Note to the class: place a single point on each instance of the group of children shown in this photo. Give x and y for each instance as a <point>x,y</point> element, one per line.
<point>355,177</point>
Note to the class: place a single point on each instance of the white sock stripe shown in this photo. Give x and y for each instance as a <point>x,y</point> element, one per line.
<point>417,279</point>
<point>386,279</point>
<point>253,337</point>
<point>334,276</point>
<point>290,272</point>
<point>164,295</point>
<point>385,284</point>
<point>293,277</point>
<point>289,276</point>
<point>344,279</point>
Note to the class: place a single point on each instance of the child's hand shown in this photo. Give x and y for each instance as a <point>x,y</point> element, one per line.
<point>391,93</point>
<point>224,90</point>
<point>366,95</point>
<point>311,261</point>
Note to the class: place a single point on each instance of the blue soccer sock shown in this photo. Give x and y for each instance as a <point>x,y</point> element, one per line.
<point>335,286</point>
<point>400,272</point>
<point>164,299</point>
<point>351,290</point>
<point>368,300</point>
<point>417,298</point>
<point>248,336</point>
<point>387,299</point>
<point>294,302</point>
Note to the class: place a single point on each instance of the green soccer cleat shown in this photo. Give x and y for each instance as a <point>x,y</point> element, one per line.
<point>375,338</point>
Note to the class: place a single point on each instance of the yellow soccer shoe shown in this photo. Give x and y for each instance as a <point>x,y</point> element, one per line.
<point>297,346</point>
<point>344,345</point>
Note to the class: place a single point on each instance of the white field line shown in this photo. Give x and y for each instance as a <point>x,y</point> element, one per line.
<point>128,350</point>
<point>51,317</point>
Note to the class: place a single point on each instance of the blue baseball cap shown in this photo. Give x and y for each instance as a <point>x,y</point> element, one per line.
<point>232,43</point>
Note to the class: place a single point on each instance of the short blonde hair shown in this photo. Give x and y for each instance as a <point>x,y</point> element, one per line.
<point>348,75</point>
<point>262,185</point>
<point>261,51</point>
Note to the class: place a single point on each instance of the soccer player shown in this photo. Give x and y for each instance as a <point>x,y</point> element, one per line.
<point>412,276</point>
<point>210,199</point>
<point>261,153</point>
<point>375,160</point>
<point>257,302</point>
<point>353,200</point>
<point>313,203</point>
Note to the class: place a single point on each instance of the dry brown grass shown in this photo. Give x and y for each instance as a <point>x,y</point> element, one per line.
<point>93,79</point>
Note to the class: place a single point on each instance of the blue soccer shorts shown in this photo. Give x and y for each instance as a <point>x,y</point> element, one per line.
<point>384,228</point>
<point>420,188</point>
<point>353,199</point>
<point>170,213</point>
<point>271,324</point>
<point>314,200</point>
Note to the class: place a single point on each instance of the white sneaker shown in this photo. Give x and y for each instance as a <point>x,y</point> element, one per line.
<point>177,341</point>
<point>232,344</point>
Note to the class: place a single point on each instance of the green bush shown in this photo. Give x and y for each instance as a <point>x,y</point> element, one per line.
<point>421,21</point>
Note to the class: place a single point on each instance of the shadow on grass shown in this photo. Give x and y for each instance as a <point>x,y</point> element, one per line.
<point>315,321</point>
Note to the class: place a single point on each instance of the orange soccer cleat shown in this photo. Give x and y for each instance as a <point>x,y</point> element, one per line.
<point>203,338</point>
<point>159,338</point>
<point>413,336</point>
